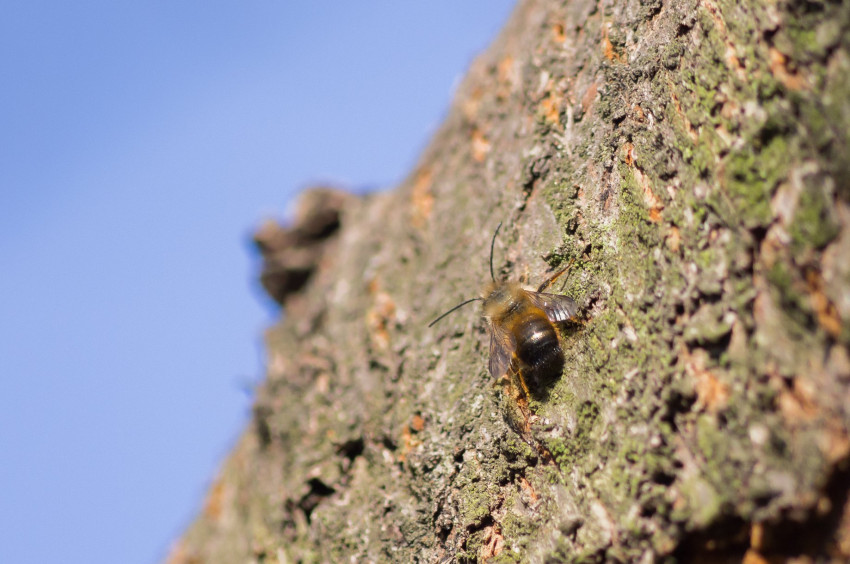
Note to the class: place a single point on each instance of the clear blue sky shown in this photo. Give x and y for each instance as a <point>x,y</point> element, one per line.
<point>140,144</point>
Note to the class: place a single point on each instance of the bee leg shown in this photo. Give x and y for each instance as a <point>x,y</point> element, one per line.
<point>520,396</point>
<point>522,383</point>
<point>546,283</point>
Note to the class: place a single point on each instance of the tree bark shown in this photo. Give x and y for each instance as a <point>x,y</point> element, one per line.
<point>691,160</point>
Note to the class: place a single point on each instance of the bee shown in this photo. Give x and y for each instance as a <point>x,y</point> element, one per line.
<point>524,343</point>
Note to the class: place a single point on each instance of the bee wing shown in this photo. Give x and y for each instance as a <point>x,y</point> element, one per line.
<point>557,308</point>
<point>502,346</point>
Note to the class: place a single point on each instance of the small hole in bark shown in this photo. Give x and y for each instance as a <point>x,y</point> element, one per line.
<point>352,449</point>
<point>318,491</point>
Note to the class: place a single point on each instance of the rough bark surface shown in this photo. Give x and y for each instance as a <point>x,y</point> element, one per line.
<point>691,158</point>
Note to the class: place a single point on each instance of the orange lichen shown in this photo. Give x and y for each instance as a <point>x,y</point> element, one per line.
<point>558,33</point>
<point>505,70</point>
<point>470,105</point>
<point>652,201</point>
<point>507,77</point>
<point>649,197</point>
<point>834,443</point>
<point>712,393</point>
<point>673,239</point>
<point>628,154</point>
<point>608,47</point>
<point>692,133</point>
<point>480,145</point>
<point>732,60</point>
<point>408,442</point>
<point>550,107</point>
<point>526,487</point>
<point>825,310</point>
<point>589,96</point>
<point>494,543</point>
<point>215,500</point>
<point>784,72</point>
<point>380,316</point>
<point>422,199</point>
<point>795,404</point>
<point>417,423</point>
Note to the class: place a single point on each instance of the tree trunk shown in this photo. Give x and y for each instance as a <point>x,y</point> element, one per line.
<point>690,161</point>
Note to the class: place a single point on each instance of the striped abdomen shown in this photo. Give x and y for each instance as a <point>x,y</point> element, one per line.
<point>538,349</point>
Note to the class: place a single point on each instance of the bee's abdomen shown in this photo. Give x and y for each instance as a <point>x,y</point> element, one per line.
<point>538,350</point>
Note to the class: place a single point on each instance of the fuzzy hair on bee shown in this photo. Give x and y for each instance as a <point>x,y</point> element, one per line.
<point>522,327</point>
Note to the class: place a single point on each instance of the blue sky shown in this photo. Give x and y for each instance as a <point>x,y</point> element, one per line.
<point>140,145</point>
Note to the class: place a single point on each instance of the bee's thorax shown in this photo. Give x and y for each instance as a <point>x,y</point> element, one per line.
<point>502,300</point>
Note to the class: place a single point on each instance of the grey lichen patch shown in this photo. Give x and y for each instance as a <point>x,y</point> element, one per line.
<point>708,325</point>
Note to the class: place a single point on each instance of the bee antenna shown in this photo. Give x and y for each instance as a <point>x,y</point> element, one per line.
<point>493,244</point>
<point>458,306</point>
